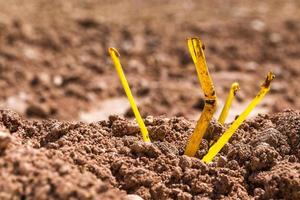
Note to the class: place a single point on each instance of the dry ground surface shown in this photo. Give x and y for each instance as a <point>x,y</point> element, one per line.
<point>107,160</point>
<point>69,136</point>
<point>54,61</point>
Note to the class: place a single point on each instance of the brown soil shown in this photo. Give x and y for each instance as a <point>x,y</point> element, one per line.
<point>107,159</point>
<point>54,56</point>
<point>54,69</point>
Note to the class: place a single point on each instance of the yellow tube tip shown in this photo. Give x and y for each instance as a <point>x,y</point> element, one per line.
<point>196,42</point>
<point>269,79</point>
<point>113,51</point>
<point>235,87</point>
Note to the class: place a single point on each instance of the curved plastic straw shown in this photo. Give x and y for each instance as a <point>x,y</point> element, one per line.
<point>115,57</point>
<point>216,148</point>
<point>233,90</point>
<point>196,50</point>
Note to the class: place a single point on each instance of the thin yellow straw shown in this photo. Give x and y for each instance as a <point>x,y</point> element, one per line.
<point>215,149</point>
<point>233,90</point>
<point>115,57</point>
<point>196,50</point>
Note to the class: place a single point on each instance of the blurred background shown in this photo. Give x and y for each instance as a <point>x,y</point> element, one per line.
<point>54,61</point>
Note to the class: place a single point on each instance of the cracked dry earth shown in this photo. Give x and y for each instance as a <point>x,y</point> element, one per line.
<point>108,160</point>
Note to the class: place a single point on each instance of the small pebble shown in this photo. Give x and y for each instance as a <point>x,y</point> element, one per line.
<point>133,197</point>
<point>258,25</point>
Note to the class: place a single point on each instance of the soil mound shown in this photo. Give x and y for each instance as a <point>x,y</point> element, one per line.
<point>107,159</point>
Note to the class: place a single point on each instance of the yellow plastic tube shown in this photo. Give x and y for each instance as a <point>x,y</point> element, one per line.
<point>233,90</point>
<point>216,148</point>
<point>115,57</point>
<point>196,50</point>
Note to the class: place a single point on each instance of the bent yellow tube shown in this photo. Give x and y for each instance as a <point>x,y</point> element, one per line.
<point>233,90</point>
<point>196,50</point>
<point>115,57</point>
<point>216,148</point>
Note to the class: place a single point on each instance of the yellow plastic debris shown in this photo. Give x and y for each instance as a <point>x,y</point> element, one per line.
<point>196,50</point>
<point>115,57</point>
<point>233,90</point>
<point>216,148</point>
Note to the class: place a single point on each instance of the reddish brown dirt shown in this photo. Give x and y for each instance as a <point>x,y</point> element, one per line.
<point>54,56</point>
<point>30,173</point>
<point>54,64</point>
<point>60,160</point>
